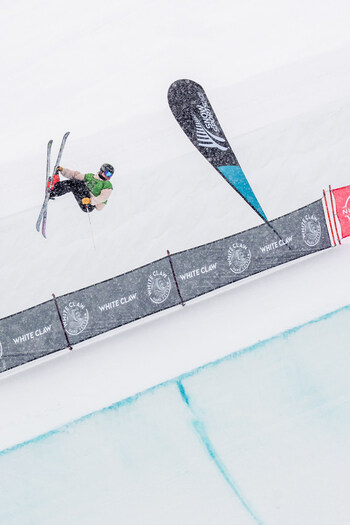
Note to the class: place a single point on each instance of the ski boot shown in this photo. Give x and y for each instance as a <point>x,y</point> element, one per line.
<point>51,184</point>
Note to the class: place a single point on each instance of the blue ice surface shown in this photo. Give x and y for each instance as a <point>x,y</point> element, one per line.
<point>261,436</point>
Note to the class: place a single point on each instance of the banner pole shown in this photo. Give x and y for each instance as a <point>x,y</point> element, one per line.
<point>334,214</point>
<point>329,217</point>
<point>61,321</point>
<point>174,275</point>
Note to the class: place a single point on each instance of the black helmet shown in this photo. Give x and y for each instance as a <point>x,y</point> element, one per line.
<point>107,170</point>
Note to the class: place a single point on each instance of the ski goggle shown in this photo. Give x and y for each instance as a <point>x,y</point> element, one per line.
<point>107,174</point>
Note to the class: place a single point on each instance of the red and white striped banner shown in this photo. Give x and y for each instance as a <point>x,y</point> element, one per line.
<point>342,205</point>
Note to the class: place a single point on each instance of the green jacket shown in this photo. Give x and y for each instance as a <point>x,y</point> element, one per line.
<point>100,190</point>
<point>96,186</point>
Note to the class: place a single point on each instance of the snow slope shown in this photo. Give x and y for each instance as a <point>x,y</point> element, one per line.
<point>260,436</point>
<point>285,108</point>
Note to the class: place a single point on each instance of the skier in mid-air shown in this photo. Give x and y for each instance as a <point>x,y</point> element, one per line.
<point>90,190</point>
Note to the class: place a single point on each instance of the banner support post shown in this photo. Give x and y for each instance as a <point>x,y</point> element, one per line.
<point>333,212</point>
<point>61,321</point>
<point>329,217</point>
<point>174,275</point>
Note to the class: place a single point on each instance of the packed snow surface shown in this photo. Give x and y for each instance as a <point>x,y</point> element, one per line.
<point>168,197</point>
<point>261,436</point>
<point>277,76</point>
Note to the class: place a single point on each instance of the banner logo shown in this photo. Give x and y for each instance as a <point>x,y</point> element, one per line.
<point>206,113</point>
<point>346,209</point>
<point>205,138</point>
<point>239,257</point>
<point>75,318</point>
<point>158,287</point>
<point>311,230</point>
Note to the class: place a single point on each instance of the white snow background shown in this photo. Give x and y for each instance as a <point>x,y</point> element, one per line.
<point>277,75</point>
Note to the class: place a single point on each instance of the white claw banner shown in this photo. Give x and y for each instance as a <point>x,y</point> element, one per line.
<point>80,315</point>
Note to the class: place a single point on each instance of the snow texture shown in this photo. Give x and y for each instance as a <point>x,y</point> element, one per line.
<point>277,76</point>
<point>260,436</point>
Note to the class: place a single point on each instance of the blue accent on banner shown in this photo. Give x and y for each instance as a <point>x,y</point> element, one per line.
<point>235,176</point>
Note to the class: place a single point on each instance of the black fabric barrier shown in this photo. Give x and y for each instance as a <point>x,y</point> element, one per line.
<point>206,268</point>
<point>30,334</point>
<point>86,313</point>
<point>118,301</point>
